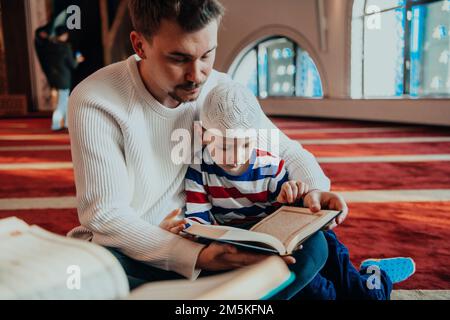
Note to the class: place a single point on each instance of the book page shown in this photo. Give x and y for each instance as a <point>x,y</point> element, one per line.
<point>250,283</point>
<point>11,225</point>
<point>209,232</point>
<point>177,289</point>
<point>290,224</point>
<point>324,217</point>
<point>37,264</point>
<point>227,233</point>
<point>284,223</point>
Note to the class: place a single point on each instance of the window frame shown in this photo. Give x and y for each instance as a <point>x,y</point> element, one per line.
<point>296,47</point>
<point>407,6</point>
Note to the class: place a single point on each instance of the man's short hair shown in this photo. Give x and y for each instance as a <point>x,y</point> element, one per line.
<point>191,15</point>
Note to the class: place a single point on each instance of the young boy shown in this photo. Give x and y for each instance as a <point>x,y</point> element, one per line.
<point>238,185</point>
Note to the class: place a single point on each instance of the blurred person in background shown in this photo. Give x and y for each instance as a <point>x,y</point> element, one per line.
<point>58,61</point>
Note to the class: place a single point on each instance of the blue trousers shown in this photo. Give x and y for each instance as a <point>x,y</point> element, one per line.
<point>309,261</point>
<point>340,280</point>
<point>60,114</point>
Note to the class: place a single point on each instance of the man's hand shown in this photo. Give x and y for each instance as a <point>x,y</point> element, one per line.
<point>292,191</point>
<point>317,200</point>
<point>218,257</point>
<point>80,58</point>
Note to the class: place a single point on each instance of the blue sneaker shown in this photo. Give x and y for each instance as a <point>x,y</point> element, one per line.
<point>398,269</point>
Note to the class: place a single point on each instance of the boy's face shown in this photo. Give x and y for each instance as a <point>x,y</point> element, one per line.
<point>232,154</point>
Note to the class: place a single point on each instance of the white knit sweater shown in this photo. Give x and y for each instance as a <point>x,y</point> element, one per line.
<point>126,183</point>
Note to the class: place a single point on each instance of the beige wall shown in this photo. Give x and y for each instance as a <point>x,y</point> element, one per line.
<point>250,20</point>
<point>247,21</point>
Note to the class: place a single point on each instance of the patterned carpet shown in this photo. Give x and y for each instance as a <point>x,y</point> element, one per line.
<point>396,179</point>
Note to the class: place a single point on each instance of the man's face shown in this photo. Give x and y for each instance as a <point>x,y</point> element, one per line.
<point>176,63</point>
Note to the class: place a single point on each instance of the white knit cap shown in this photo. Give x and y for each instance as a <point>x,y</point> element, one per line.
<point>231,105</point>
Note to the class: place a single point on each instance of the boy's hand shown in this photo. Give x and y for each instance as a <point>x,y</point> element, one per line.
<point>292,191</point>
<point>172,224</point>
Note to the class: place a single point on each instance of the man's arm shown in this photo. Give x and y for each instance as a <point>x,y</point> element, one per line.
<point>302,166</point>
<point>104,194</point>
<point>300,163</point>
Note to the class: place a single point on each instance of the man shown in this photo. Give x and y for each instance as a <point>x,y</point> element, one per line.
<point>58,63</point>
<point>120,122</point>
<point>61,67</point>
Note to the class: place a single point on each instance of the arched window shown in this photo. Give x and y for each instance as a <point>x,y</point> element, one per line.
<point>400,48</point>
<point>278,67</point>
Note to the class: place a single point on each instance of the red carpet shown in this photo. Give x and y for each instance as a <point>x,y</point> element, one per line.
<point>416,229</point>
<point>35,156</point>
<point>379,149</point>
<point>355,135</point>
<point>63,141</point>
<point>36,183</point>
<point>391,176</point>
<point>56,220</point>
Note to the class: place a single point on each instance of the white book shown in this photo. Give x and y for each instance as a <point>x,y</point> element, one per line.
<point>39,265</point>
<point>256,282</point>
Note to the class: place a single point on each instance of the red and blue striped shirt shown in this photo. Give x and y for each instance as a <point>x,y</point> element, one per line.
<point>213,195</point>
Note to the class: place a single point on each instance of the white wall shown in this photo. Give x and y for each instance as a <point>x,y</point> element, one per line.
<point>247,21</point>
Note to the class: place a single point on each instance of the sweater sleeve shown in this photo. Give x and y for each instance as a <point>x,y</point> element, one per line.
<point>300,163</point>
<point>104,195</point>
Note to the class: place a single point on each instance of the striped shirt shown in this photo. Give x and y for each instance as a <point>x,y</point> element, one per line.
<point>215,196</point>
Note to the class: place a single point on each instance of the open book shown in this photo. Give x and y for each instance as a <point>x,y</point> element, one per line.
<point>37,264</point>
<point>282,232</point>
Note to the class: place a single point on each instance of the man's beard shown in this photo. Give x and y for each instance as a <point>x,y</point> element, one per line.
<point>185,87</point>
